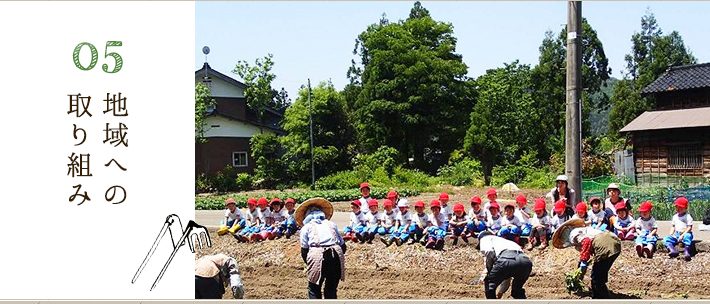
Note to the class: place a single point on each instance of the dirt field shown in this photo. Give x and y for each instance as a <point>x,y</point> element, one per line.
<point>274,270</point>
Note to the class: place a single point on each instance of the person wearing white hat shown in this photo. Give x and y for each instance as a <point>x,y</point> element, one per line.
<point>322,248</point>
<point>210,273</point>
<point>504,259</point>
<point>563,192</point>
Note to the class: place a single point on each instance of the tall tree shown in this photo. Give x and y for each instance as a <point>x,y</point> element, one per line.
<point>258,79</point>
<point>652,53</point>
<point>202,103</point>
<point>415,94</point>
<point>279,100</point>
<point>333,135</point>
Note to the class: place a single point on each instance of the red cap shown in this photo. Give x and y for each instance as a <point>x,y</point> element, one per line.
<point>230,201</point>
<point>356,203</point>
<point>251,201</point>
<point>392,194</point>
<point>444,196</point>
<point>539,204</point>
<point>521,199</point>
<point>646,206</point>
<point>620,205</point>
<point>681,202</point>
<point>364,185</point>
<point>419,204</point>
<point>476,199</point>
<point>290,200</point>
<point>276,200</point>
<point>372,202</point>
<point>491,191</point>
<point>581,206</point>
<point>494,205</point>
<point>560,206</point>
<point>459,207</point>
<point>388,203</point>
<point>262,201</point>
<point>435,203</point>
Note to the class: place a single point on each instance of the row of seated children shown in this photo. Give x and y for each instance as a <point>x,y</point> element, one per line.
<point>263,220</point>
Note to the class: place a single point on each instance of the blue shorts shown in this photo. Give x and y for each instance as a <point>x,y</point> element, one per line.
<point>673,239</point>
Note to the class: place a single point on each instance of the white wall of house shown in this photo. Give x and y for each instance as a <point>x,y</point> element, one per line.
<point>220,88</point>
<point>218,126</point>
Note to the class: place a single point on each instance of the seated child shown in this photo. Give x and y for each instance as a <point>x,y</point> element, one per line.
<point>541,226</point>
<point>445,208</point>
<point>387,221</point>
<point>437,227</point>
<point>403,223</point>
<point>278,216</point>
<point>559,217</point>
<point>420,221</point>
<point>233,219</point>
<point>254,219</point>
<point>265,228</point>
<point>646,231</point>
<point>353,232</point>
<point>494,222</point>
<point>458,223</point>
<point>523,214</point>
<point>477,218</point>
<point>624,224</point>
<point>597,214</point>
<point>373,221</point>
<point>681,230</point>
<point>580,212</point>
<point>510,225</point>
<point>289,227</point>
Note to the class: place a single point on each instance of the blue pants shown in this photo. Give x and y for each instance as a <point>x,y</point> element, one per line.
<point>288,226</point>
<point>383,231</point>
<point>644,239</point>
<point>472,226</point>
<point>242,223</point>
<point>359,229</point>
<point>526,229</point>
<point>673,239</point>
<point>371,230</point>
<point>509,233</point>
<point>436,232</point>
<point>601,227</point>
<point>401,233</point>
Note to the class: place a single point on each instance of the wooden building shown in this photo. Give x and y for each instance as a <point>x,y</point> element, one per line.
<point>672,142</point>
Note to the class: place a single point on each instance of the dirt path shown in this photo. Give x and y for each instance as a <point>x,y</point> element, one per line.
<point>274,270</point>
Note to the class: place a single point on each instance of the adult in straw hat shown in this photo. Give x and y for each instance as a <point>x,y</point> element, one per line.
<point>322,248</point>
<point>210,273</point>
<point>562,192</point>
<point>603,247</point>
<point>504,259</point>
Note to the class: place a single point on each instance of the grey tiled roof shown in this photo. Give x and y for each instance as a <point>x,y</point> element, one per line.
<point>681,78</point>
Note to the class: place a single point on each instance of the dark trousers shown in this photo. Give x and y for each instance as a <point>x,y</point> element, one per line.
<point>600,275</point>
<point>510,264</point>
<point>330,277</point>
<point>208,288</point>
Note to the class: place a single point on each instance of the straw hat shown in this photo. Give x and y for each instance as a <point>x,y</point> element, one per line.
<point>316,202</point>
<point>561,237</point>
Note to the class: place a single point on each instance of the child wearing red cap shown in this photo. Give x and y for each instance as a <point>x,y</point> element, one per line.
<point>494,223</point>
<point>523,214</point>
<point>492,195</point>
<point>580,212</point>
<point>264,231</point>
<point>458,223</point>
<point>681,230</point>
<point>420,221</point>
<point>353,232</point>
<point>387,221</point>
<point>597,215</point>
<point>373,221</point>
<point>277,216</point>
<point>646,231</point>
<point>437,227</point>
<point>541,226</point>
<point>233,219</point>
<point>510,224</point>
<point>254,220</point>
<point>560,215</point>
<point>445,208</point>
<point>624,224</point>
<point>365,199</point>
<point>289,226</point>
<point>477,218</point>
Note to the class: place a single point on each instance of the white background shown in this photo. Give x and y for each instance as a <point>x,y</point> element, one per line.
<point>52,248</point>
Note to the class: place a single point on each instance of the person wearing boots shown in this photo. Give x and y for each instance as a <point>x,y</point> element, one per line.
<point>322,248</point>
<point>602,247</point>
<point>354,231</point>
<point>541,226</point>
<point>504,259</point>
<point>458,223</point>
<point>681,229</point>
<point>210,273</point>
<point>646,231</point>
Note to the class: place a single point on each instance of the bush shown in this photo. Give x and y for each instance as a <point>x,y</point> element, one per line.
<point>385,157</point>
<point>341,180</point>
<point>216,202</point>
<point>269,168</point>
<point>412,178</point>
<point>203,183</point>
<point>243,182</point>
<point>525,173</point>
<point>461,171</point>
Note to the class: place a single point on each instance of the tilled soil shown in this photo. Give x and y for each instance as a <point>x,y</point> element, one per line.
<point>274,270</point>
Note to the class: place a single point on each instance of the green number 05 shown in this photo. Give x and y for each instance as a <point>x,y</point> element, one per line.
<point>95,57</point>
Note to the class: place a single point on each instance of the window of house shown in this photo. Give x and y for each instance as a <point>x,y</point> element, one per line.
<point>239,159</point>
<point>685,156</point>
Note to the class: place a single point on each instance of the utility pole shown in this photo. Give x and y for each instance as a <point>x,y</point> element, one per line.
<point>310,118</point>
<point>573,136</point>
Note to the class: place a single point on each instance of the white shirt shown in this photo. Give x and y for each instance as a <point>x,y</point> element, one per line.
<point>524,217</point>
<point>493,246</point>
<point>438,221</point>
<point>253,215</point>
<point>265,214</point>
<point>373,218</point>
<point>596,217</point>
<point>421,220</point>
<point>365,205</point>
<point>291,215</point>
<point>495,224</point>
<point>462,218</point>
<point>682,222</point>
<point>576,216</point>
<point>278,217</point>
<point>544,221</point>
<point>558,220</point>
<point>510,221</point>
<point>236,215</point>
<point>404,218</point>
<point>646,225</point>
<point>624,222</point>
<point>446,211</point>
<point>481,215</point>
<point>328,234</point>
<point>357,219</point>
<point>389,218</point>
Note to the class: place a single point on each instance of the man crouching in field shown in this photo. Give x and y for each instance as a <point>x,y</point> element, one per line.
<point>504,260</point>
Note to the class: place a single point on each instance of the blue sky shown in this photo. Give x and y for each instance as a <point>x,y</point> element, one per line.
<point>315,39</point>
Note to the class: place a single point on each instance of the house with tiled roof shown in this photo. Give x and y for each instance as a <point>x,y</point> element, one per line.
<point>230,124</point>
<point>673,140</point>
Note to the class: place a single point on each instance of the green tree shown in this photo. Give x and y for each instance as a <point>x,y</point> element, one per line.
<point>258,79</point>
<point>415,95</point>
<point>265,149</point>
<point>652,53</point>
<point>279,100</point>
<point>332,133</point>
<point>202,102</point>
<point>501,129</point>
